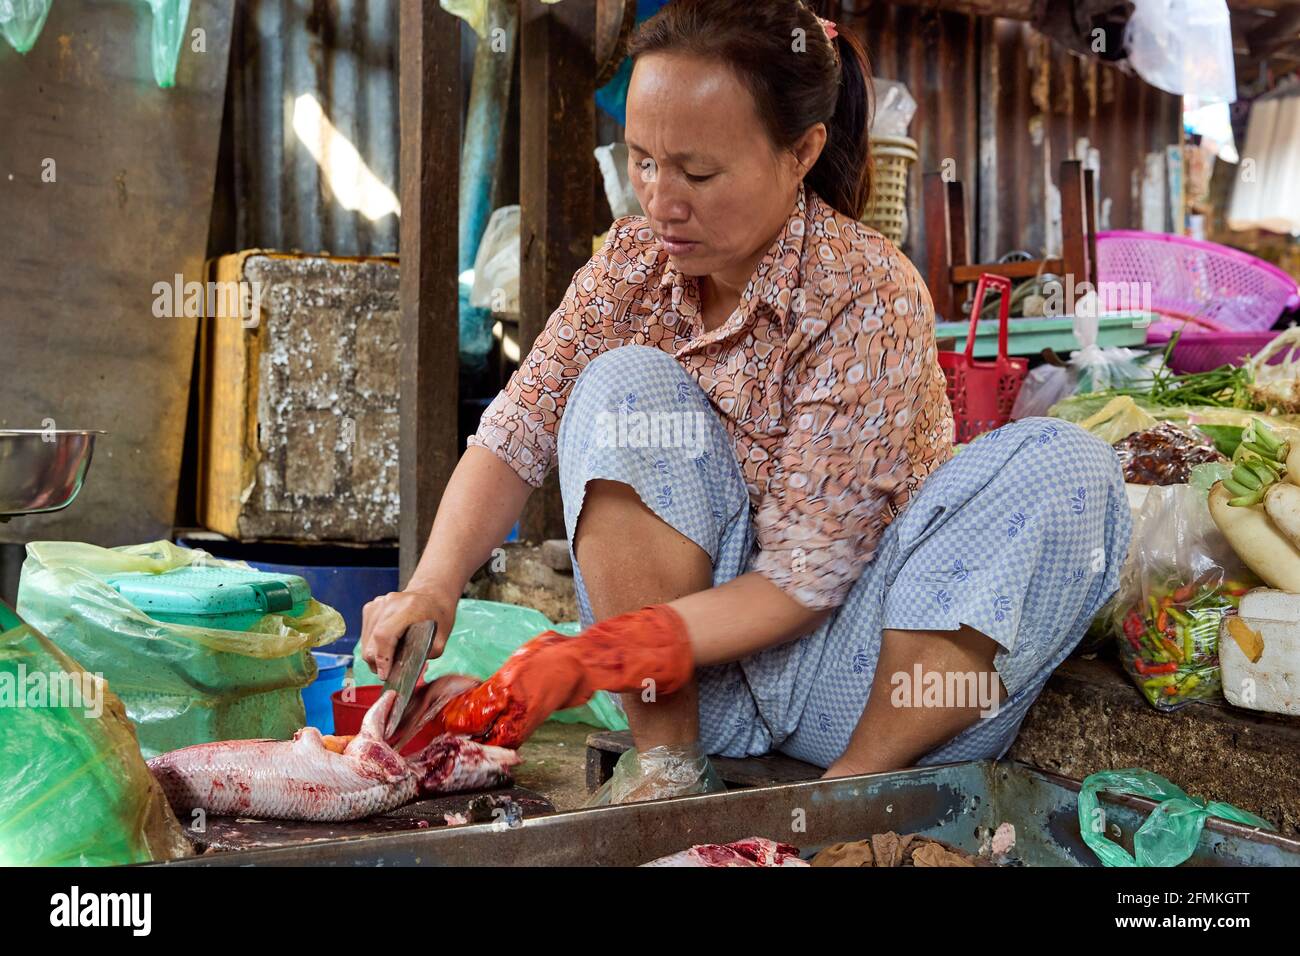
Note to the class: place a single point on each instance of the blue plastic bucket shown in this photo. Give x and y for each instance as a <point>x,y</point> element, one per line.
<point>333,668</point>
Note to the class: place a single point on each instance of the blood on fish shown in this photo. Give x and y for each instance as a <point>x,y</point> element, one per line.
<point>305,779</point>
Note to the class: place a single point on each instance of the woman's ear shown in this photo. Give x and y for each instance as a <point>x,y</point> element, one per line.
<point>808,147</point>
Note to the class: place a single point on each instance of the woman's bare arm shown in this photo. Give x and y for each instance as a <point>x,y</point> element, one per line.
<point>738,619</point>
<point>481,503</point>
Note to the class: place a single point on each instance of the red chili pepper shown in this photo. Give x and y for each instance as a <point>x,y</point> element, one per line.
<point>1169,691</point>
<point>1184,593</point>
<point>1152,670</point>
<point>1132,639</point>
<point>1133,626</point>
<point>1162,621</point>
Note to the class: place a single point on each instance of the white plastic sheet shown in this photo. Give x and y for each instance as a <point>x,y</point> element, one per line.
<point>1183,47</point>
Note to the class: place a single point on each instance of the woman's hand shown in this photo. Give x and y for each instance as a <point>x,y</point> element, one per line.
<point>385,619</point>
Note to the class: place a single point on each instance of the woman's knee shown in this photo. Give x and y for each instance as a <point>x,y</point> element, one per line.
<point>615,373</point>
<point>633,396</point>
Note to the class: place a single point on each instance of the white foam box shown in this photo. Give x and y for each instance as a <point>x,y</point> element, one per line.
<point>1271,683</point>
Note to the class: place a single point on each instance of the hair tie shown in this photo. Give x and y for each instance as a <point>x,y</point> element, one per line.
<point>829,27</point>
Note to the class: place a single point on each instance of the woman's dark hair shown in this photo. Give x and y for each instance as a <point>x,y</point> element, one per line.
<point>796,75</point>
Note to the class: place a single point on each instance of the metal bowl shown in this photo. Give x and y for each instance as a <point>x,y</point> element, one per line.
<point>42,470</point>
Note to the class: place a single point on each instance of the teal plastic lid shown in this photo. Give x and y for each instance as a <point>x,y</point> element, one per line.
<point>200,591</point>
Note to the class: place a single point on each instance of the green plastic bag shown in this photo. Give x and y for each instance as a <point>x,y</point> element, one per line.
<point>167,33</point>
<point>484,635</point>
<point>21,22</point>
<point>1169,835</point>
<point>76,790</point>
<point>181,685</point>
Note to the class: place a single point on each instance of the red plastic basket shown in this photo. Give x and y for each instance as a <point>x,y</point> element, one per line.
<point>982,393</point>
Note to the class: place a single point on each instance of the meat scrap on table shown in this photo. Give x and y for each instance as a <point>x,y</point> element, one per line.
<point>879,850</point>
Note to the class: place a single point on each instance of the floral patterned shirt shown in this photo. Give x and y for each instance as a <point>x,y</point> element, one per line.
<point>826,376</point>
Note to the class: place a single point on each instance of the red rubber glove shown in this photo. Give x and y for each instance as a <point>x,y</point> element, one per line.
<point>552,672</point>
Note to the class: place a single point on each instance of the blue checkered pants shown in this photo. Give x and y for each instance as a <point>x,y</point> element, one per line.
<point>1020,536</point>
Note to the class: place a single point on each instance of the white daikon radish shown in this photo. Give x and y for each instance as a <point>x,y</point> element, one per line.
<point>1252,535</point>
<point>1293,464</point>
<point>1282,504</point>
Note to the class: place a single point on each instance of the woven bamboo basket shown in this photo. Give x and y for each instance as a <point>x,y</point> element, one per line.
<point>887,211</point>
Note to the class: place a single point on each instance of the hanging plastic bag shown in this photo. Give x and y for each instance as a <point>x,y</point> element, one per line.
<point>1169,835</point>
<point>474,12</point>
<point>76,790</point>
<point>1095,368</point>
<point>1181,578</point>
<point>181,684</point>
<point>484,635</point>
<point>496,266</point>
<point>170,18</point>
<point>658,773</point>
<point>619,192</point>
<point>1090,368</point>
<point>1183,47</point>
<point>21,22</point>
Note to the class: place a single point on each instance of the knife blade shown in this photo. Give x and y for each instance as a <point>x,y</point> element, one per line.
<point>409,658</point>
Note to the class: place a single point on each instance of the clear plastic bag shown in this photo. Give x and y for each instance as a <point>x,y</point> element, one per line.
<point>658,773</point>
<point>1169,835</point>
<point>1042,388</point>
<point>76,790</point>
<point>1090,368</point>
<point>181,684</point>
<point>894,108</point>
<point>612,160</point>
<point>1181,578</point>
<point>496,265</point>
<point>1183,47</point>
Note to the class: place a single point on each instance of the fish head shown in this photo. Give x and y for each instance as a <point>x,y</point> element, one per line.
<point>427,702</point>
<point>452,763</point>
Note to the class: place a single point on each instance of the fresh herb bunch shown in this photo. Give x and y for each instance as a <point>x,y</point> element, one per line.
<point>1227,386</point>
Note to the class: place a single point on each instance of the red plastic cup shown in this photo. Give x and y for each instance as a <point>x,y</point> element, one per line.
<point>348,715</point>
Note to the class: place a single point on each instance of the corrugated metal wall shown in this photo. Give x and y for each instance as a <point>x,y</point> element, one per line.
<point>994,97</point>
<point>343,54</point>
<point>1006,106</point>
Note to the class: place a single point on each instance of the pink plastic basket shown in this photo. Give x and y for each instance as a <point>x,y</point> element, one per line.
<point>1199,282</point>
<point>1202,351</point>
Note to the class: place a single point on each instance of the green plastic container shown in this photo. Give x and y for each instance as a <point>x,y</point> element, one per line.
<point>1031,336</point>
<point>228,598</point>
<point>196,648</point>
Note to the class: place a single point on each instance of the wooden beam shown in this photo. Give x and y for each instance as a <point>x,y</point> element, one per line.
<point>936,204</point>
<point>1012,270</point>
<point>1024,9</point>
<point>1274,34</point>
<point>1008,9</point>
<point>430,105</point>
<point>1074,221</point>
<point>557,132</point>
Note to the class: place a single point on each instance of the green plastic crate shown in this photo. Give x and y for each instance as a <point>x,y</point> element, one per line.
<point>1031,336</point>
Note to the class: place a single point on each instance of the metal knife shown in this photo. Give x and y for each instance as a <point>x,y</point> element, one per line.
<point>409,658</point>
